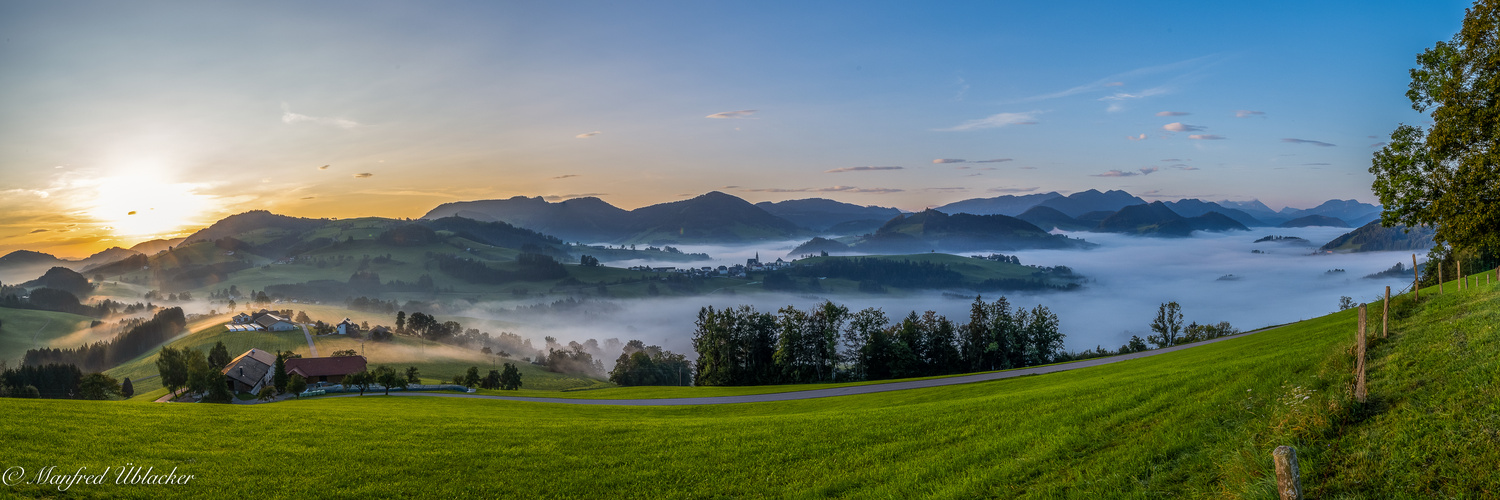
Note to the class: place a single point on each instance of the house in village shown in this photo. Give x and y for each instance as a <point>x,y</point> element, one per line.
<point>261,320</point>
<point>250,371</point>
<point>327,370</point>
<point>347,326</point>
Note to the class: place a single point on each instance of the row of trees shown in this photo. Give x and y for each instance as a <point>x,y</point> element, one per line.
<point>167,323</point>
<point>742,346</point>
<point>640,364</point>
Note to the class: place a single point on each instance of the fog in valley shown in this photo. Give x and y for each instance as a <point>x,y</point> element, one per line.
<point>1214,276</point>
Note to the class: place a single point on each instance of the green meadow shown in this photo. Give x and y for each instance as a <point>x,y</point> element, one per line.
<point>1195,423</point>
<point>22,329</point>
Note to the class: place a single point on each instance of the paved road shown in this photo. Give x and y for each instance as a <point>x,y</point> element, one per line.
<point>310,346</point>
<point>828,393</point>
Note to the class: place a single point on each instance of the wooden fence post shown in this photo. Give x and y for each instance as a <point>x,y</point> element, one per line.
<point>1360,391</point>
<point>1416,279</point>
<point>1288,475</point>
<point>1385,315</point>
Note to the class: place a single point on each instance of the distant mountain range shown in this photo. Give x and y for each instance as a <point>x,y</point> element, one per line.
<point>711,218</point>
<point>24,265</point>
<point>819,214</point>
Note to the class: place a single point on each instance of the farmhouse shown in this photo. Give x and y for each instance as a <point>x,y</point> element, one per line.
<point>330,370</point>
<point>250,371</point>
<point>346,327</point>
<point>275,323</point>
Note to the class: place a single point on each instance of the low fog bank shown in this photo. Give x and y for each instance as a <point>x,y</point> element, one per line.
<point>1128,278</point>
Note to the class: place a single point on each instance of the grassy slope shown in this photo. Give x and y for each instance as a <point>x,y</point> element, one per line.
<point>1194,423</point>
<point>22,329</point>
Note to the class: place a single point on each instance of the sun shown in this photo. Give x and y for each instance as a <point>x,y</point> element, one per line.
<point>145,206</point>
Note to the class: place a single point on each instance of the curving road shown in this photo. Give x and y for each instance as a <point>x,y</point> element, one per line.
<point>828,393</point>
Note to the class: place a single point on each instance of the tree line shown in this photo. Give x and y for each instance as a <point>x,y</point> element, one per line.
<point>528,267</point>
<point>102,355</point>
<point>742,346</point>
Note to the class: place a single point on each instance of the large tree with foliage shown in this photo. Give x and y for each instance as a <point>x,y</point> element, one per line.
<point>1167,325</point>
<point>1448,176</point>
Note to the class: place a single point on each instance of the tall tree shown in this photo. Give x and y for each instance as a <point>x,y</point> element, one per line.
<point>218,356</point>
<point>1167,325</point>
<point>173,369</point>
<point>1446,176</point>
<point>98,386</point>
<point>278,376</point>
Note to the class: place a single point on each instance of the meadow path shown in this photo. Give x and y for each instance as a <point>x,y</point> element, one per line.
<point>310,347</point>
<point>839,391</point>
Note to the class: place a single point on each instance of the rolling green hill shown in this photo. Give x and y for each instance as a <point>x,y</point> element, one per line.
<point>22,329</point>
<point>1194,423</point>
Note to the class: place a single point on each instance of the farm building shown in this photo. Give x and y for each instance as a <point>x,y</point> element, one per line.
<point>250,371</point>
<point>331,370</point>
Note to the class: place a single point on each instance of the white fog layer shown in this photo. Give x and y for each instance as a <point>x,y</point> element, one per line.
<point>1128,277</point>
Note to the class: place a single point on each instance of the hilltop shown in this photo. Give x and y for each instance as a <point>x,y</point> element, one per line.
<point>932,229</point>
<point>1372,237</point>
<point>711,217</point>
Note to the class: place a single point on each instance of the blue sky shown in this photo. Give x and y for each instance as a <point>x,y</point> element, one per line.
<point>230,107</point>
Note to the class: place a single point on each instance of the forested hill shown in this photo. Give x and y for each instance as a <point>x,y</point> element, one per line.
<point>1373,237</point>
<point>933,230</point>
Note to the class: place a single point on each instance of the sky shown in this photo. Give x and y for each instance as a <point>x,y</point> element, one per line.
<point>127,121</point>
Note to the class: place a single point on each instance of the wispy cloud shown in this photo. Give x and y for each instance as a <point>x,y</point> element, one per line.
<point>308,197</point>
<point>565,176</point>
<point>1011,190</point>
<point>1181,127</point>
<point>1245,113</point>
<point>744,113</point>
<point>1148,170</point>
<point>363,175</point>
<point>34,231</point>
<point>1207,137</point>
<point>1308,141</point>
<point>858,169</point>
<point>949,160</point>
<point>587,135</point>
<point>1172,113</point>
<point>1174,159</point>
<point>1117,80</point>
<point>1116,173</point>
<point>831,189</point>
<point>288,117</point>
<point>1027,168</point>
<point>946,189</point>
<point>1141,137</point>
<point>995,121</point>
<point>1316,164</point>
<point>324,167</point>
<point>996,160</point>
<point>1117,98</point>
<point>1183,167</point>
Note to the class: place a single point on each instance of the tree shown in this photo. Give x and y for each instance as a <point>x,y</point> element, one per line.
<point>510,378</point>
<point>400,321</point>
<point>98,386</point>
<point>412,376</point>
<point>388,378</point>
<point>345,353</point>
<point>126,388</point>
<point>588,261</point>
<point>266,393</point>
<point>1346,302</point>
<point>360,380</point>
<point>471,377</point>
<point>297,384</point>
<point>302,317</point>
<point>173,369</point>
<point>490,381</point>
<point>218,356</point>
<point>1167,325</point>
<point>1445,177</point>
<point>278,377</point>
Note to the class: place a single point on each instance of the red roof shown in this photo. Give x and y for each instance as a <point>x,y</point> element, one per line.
<point>322,367</point>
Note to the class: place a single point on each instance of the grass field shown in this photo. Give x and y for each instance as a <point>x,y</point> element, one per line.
<point>22,329</point>
<point>1195,423</point>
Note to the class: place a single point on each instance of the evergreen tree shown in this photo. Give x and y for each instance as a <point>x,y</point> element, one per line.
<point>278,377</point>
